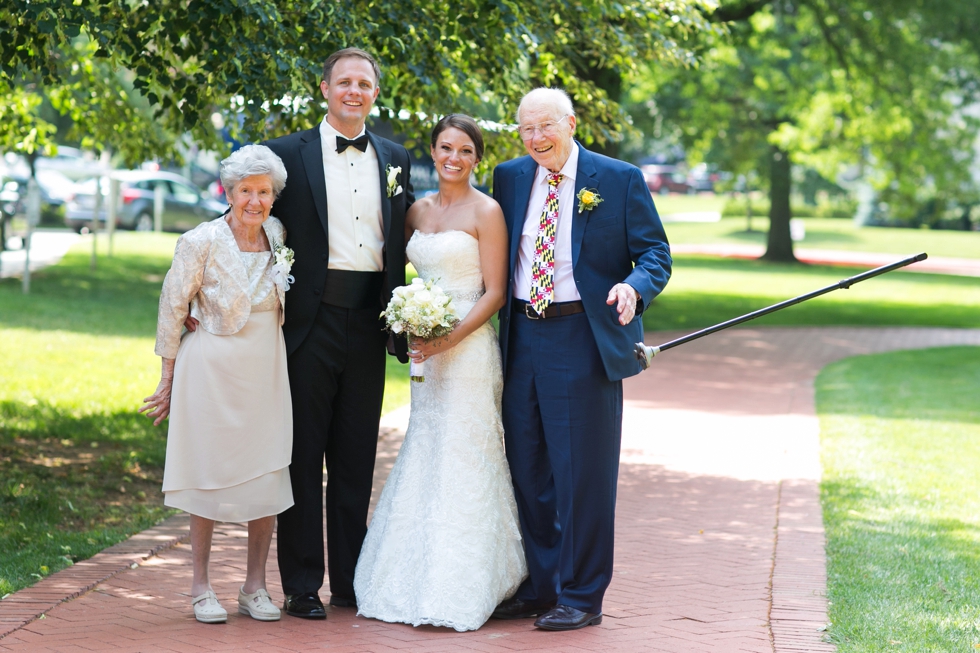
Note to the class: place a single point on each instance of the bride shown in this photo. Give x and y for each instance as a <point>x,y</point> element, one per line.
<point>444,546</point>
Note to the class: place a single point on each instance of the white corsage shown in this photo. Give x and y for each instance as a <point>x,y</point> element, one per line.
<point>283,264</point>
<point>393,187</point>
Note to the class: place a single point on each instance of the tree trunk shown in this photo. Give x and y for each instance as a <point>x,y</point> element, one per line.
<point>965,223</point>
<point>779,246</point>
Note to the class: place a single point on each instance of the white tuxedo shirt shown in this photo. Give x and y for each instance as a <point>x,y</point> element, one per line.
<point>356,228</point>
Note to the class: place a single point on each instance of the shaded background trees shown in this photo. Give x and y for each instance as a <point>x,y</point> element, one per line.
<point>883,93</point>
<point>883,90</point>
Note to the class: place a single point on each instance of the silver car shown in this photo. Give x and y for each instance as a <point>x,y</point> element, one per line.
<point>184,204</point>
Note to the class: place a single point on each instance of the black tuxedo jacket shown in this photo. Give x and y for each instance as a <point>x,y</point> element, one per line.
<point>302,208</point>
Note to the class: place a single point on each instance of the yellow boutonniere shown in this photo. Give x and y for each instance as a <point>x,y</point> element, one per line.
<point>588,199</point>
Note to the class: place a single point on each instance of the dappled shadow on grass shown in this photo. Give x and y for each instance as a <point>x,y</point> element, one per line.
<point>897,581</point>
<point>815,239</point>
<point>119,297</point>
<point>71,485</point>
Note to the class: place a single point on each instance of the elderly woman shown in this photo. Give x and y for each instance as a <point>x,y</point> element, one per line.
<point>224,385</point>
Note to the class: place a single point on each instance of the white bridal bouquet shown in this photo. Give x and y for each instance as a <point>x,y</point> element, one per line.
<point>421,310</point>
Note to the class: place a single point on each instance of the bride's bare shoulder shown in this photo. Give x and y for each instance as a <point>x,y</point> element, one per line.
<point>487,207</point>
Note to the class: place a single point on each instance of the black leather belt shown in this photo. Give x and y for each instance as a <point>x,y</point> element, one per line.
<point>350,289</point>
<point>555,309</point>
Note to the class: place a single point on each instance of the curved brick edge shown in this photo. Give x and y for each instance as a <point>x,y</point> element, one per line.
<point>798,586</point>
<point>30,603</point>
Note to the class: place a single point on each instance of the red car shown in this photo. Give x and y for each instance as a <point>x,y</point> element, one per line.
<point>663,179</point>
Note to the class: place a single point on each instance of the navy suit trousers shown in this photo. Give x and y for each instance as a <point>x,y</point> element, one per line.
<point>562,428</point>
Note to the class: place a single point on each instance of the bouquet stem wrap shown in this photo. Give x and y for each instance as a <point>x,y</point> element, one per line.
<point>420,310</point>
<point>416,371</point>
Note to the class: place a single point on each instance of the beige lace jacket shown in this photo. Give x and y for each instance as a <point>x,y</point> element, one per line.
<point>208,281</point>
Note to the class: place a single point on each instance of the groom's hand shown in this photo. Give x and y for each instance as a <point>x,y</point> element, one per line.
<point>624,296</point>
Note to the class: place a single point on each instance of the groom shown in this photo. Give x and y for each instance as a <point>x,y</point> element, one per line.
<point>344,211</point>
<point>587,254</point>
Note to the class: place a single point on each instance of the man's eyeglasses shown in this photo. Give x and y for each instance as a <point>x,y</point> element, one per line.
<point>547,128</point>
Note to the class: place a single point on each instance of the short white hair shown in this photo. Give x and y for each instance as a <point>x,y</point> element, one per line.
<point>555,99</point>
<point>252,160</point>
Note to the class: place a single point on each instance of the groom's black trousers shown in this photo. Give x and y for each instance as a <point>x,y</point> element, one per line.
<point>336,378</point>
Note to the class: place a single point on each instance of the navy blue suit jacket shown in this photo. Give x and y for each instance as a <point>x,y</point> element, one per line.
<point>620,241</point>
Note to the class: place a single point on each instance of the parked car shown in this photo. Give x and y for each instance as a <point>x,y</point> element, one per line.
<point>665,179</point>
<point>55,189</point>
<point>184,207</point>
<point>702,178</point>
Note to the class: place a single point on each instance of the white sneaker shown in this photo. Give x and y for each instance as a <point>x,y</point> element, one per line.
<point>208,610</point>
<point>258,605</point>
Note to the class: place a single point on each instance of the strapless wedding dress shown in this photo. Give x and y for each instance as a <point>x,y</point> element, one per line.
<point>444,546</point>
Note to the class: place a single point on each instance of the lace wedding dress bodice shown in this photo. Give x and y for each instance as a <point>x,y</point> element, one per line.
<point>444,546</point>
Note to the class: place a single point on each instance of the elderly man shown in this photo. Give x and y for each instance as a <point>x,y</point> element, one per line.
<point>587,255</point>
<point>344,212</point>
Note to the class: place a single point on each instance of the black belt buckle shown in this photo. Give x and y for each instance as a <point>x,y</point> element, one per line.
<point>531,313</point>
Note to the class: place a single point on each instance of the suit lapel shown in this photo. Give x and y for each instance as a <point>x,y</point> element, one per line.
<point>384,160</point>
<point>522,195</point>
<point>585,177</point>
<point>311,150</point>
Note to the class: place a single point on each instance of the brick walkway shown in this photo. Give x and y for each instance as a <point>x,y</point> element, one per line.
<point>719,533</point>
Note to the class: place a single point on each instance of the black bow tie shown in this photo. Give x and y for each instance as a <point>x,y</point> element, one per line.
<point>360,143</point>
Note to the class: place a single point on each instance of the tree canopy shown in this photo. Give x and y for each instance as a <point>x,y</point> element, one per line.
<point>126,68</point>
<point>886,85</point>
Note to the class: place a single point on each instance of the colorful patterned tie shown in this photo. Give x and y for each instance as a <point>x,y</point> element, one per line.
<point>543,268</point>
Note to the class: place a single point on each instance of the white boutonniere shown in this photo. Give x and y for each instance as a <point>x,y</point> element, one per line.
<point>283,264</point>
<point>588,199</point>
<point>393,187</point>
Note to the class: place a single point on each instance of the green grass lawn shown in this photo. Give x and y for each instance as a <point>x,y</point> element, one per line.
<point>825,233</point>
<point>900,436</point>
<point>705,291</point>
<point>671,204</point>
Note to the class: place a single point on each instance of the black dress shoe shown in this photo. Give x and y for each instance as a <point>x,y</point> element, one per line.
<point>342,602</point>
<point>518,609</point>
<point>305,606</point>
<point>564,617</point>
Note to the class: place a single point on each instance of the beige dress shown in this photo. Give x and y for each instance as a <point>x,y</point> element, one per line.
<point>230,438</point>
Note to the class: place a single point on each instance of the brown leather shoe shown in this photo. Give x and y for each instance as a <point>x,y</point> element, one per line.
<point>518,609</point>
<point>564,617</point>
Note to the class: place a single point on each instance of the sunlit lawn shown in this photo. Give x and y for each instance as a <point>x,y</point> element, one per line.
<point>900,437</point>
<point>821,233</point>
<point>705,291</point>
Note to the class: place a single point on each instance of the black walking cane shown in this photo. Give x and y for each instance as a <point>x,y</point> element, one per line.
<point>645,353</point>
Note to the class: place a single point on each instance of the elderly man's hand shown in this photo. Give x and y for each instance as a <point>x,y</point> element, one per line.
<point>625,298</point>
